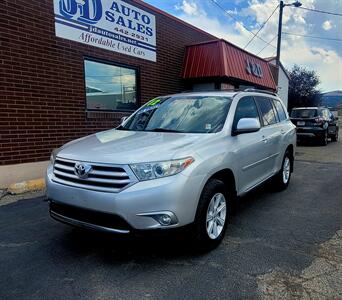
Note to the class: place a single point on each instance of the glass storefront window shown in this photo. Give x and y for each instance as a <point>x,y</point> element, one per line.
<point>110,87</point>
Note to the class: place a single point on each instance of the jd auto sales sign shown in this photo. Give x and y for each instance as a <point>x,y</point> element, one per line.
<point>108,24</point>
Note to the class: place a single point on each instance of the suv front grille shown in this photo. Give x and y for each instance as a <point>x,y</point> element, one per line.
<point>102,177</point>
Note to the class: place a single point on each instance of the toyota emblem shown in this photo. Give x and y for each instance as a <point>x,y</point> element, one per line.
<point>82,170</point>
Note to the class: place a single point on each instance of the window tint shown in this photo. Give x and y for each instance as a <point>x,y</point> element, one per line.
<point>110,87</point>
<point>267,112</point>
<point>280,110</point>
<point>275,111</point>
<point>246,108</point>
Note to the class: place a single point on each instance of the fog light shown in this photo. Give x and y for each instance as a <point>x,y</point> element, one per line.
<point>164,220</point>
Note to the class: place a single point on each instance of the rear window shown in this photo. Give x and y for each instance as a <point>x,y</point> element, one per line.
<point>280,110</point>
<point>266,109</point>
<point>304,113</point>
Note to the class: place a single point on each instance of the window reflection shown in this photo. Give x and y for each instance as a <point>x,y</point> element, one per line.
<point>110,87</point>
<point>267,112</point>
<point>195,114</point>
<point>280,110</point>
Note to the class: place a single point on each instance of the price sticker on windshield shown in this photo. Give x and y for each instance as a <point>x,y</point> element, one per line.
<point>153,102</point>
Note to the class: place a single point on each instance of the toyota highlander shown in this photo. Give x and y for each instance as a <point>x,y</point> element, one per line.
<point>179,160</point>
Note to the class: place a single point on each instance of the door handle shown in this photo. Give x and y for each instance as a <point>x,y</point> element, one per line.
<point>282,131</point>
<point>264,139</point>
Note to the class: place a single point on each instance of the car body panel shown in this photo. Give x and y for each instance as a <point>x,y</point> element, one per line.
<point>120,147</point>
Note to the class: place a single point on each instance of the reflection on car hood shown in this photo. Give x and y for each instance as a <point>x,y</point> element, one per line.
<point>123,147</point>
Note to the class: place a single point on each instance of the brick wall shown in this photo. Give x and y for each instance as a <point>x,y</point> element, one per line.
<point>42,99</point>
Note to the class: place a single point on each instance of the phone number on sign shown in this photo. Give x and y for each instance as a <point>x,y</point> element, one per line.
<point>133,35</point>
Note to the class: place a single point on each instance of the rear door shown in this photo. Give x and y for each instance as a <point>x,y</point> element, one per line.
<point>250,148</point>
<point>271,133</point>
<point>286,129</point>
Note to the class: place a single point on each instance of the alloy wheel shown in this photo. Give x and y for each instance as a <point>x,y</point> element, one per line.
<point>216,215</point>
<point>286,170</point>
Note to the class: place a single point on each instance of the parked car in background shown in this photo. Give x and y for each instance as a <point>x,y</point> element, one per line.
<point>316,123</point>
<point>178,160</point>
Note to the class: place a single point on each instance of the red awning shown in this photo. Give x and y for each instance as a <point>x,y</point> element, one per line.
<point>219,58</point>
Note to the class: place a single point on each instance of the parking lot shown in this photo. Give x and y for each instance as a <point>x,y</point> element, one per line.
<point>278,246</point>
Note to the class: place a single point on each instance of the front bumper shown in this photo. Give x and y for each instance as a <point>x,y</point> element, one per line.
<point>175,195</point>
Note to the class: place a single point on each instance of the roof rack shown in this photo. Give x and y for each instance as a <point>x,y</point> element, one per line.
<point>260,91</point>
<point>213,90</point>
<point>233,90</point>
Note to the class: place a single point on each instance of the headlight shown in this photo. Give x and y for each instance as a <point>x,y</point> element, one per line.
<point>153,170</point>
<point>53,155</point>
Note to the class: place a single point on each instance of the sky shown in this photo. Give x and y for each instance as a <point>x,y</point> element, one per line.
<point>323,56</point>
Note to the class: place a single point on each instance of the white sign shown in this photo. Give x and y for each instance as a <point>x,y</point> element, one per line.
<point>108,24</point>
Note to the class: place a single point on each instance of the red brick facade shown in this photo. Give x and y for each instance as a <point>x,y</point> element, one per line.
<point>42,99</point>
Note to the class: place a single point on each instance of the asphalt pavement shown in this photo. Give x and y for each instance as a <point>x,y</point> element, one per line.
<point>278,246</point>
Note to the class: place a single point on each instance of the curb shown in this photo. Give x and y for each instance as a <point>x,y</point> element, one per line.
<point>26,186</point>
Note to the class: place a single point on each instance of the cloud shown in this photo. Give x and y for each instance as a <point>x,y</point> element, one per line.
<point>313,54</point>
<point>327,25</point>
<point>234,32</point>
<point>188,7</point>
<point>233,12</point>
<point>320,59</point>
<point>327,56</point>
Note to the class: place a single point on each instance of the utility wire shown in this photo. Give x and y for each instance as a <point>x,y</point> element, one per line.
<point>313,37</point>
<point>301,35</point>
<point>262,26</point>
<point>268,44</point>
<point>235,19</point>
<point>321,11</point>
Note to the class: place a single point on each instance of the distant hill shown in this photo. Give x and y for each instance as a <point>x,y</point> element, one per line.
<point>331,99</point>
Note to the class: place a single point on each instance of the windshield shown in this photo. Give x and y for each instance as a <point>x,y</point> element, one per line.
<point>304,113</point>
<point>187,114</point>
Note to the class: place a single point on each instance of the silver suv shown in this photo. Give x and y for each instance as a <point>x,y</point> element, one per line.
<point>178,160</point>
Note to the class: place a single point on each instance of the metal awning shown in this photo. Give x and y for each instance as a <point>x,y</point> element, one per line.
<point>221,59</point>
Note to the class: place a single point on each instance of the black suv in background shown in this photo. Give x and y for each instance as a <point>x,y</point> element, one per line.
<point>315,122</point>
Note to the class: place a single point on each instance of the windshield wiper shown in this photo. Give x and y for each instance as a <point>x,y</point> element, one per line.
<point>164,130</point>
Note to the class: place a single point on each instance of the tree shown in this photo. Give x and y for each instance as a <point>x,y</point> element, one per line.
<point>303,89</point>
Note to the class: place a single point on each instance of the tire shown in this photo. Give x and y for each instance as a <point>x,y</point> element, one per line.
<point>283,177</point>
<point>204,233</point>
<point>324,139</point>
<point>334,138</point>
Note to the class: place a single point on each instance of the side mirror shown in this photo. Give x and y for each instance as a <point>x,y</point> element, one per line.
<point>246,125</point>
<point>123,119</point>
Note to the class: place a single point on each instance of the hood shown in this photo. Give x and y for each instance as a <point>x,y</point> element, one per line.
<point>124,147</point>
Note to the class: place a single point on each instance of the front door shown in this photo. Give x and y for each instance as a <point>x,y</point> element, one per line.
<point>251,148</point>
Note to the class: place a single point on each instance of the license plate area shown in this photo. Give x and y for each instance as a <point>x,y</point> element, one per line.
<point>300,123</point>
